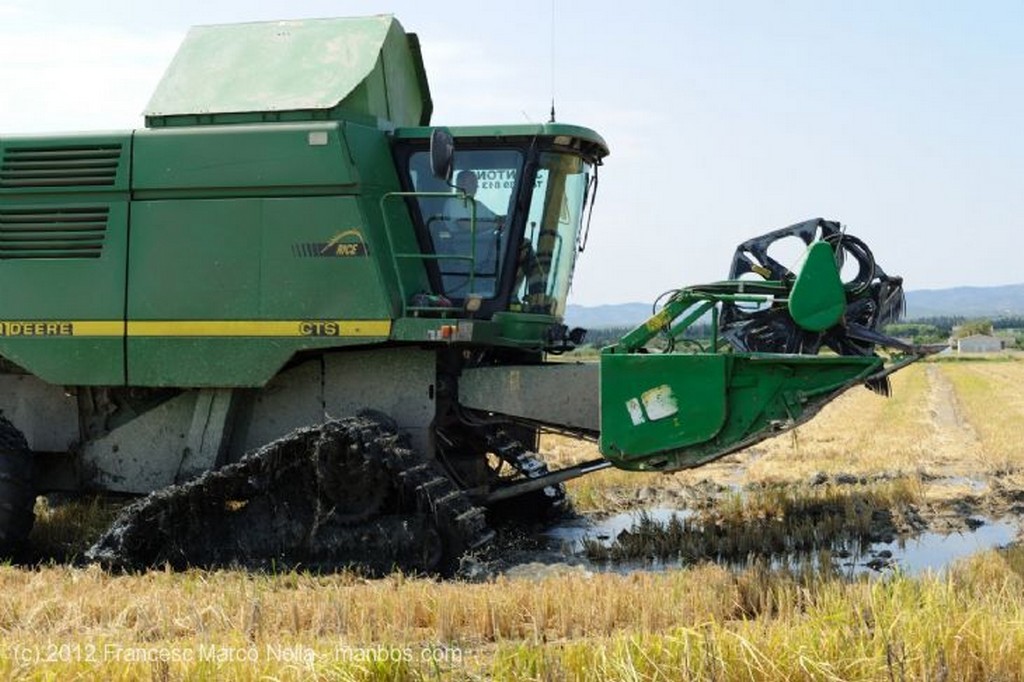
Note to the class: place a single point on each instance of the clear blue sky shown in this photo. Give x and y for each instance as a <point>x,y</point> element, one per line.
<point>725,119</point>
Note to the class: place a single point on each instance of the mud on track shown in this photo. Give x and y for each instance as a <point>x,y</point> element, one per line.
<point>343,494</point>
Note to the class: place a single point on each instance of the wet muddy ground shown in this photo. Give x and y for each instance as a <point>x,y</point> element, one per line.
<point>848,523</point>
<point>911,540</point>
<point>838,523</point>
<point>592,543</point>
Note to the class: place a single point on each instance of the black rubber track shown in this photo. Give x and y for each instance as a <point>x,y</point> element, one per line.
<point>280,507</point>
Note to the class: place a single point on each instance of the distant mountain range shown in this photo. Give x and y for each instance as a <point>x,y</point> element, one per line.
<point>967,301</point>
<point>970,302</point>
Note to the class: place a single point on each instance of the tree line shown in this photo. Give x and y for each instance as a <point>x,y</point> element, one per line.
<point>921,330</point>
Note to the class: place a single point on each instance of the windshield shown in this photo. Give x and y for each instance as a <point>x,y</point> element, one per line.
<point>548,252</point>
<point>469,252</point>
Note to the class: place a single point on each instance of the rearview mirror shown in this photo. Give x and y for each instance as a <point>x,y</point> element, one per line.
<point>442,153</point>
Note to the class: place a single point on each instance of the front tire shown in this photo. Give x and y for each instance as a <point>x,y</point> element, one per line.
<point>17,496</point>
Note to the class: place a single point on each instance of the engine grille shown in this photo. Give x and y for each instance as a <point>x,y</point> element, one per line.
<point>53,232</point>
<point>60,166</point>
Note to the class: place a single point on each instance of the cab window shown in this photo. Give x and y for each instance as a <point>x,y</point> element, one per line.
<point>466,226</point>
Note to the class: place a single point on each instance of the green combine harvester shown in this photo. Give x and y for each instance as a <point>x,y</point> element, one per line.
<point>316,328</point>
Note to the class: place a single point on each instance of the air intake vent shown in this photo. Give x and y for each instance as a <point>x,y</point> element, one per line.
<point>52,232</point>
<point>63,166</point>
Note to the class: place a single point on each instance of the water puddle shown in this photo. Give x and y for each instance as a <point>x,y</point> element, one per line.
<point>571,537</point>
<point>934,551</point>
<point>973,484</point>
<point>927,551</point>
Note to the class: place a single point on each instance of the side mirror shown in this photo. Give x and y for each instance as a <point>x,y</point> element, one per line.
<point>442,154</point>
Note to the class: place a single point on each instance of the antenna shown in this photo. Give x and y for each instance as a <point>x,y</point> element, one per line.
<point>552,62</point>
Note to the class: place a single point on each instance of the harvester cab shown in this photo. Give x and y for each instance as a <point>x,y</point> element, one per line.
<point>499,215</point>
<point>318,325</point>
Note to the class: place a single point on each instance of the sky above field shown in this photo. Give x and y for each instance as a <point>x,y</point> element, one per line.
<point>725,119</point>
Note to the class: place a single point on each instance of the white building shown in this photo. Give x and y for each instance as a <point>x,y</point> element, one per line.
<point>979,343</point>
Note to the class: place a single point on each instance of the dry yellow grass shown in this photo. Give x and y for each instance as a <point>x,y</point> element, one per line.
<point>992,403</point>
<point>863,433</point>
<point>965,627</point>
<point>64,623</point>
<point>66,530</point>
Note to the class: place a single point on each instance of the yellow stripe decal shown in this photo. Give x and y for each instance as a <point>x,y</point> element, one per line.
<point>98,328</point>
<point>260,328</point>
<point>176,328</point>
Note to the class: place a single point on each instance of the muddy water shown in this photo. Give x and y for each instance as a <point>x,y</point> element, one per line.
<point>570,537</point>
<point>935,551</point>
<point>927,551</point>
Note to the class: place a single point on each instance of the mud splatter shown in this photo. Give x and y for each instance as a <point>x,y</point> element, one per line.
<point>348,493</point>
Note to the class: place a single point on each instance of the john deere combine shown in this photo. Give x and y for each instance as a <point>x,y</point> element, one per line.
<point>289,262</point>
